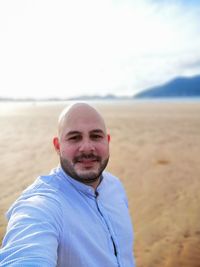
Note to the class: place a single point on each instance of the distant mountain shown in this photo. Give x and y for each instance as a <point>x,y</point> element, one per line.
<point>179,87</point>
<point>76,98</point>
<point>94,97</point>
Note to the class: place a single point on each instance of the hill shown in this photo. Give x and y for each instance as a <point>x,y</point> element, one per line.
<point>178,87</point>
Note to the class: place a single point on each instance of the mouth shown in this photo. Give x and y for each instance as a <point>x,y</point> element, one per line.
<point>87,164</point>
<point>87,161</point>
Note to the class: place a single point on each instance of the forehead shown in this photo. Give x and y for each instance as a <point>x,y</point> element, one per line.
<point>82,119</point>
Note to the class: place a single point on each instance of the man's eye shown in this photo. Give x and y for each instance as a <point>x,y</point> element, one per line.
<point>96,136</point>
<point>74,138</point>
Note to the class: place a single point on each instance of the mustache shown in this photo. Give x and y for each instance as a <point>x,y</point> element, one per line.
<point>86,156</point>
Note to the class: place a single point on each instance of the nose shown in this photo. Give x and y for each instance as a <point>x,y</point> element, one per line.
<point>86,146</point>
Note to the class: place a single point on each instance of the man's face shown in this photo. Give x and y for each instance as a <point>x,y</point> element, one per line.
<point>84,147</point>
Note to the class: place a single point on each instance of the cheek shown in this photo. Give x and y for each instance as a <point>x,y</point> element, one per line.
<point>67,152</point>
<point>103,150</point>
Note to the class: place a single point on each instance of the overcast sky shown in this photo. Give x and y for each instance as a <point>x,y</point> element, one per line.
<point>67,48</point>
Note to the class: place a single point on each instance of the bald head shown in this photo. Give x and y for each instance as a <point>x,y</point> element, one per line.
<point>79,114</point>
<point>82,143</point>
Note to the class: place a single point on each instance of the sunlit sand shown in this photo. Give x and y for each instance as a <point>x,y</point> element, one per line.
<point>155,150</point>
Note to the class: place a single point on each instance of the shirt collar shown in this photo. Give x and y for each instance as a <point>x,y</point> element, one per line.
<point>86,189</point>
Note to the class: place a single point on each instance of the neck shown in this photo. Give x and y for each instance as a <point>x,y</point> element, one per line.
<point>96,183</point>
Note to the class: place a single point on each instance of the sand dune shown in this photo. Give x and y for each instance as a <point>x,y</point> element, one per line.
<point>154,150</point>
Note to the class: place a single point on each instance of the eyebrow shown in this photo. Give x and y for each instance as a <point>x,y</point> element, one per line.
<point>72,133</point>
<point>97,131</point>
<point>78,132</point>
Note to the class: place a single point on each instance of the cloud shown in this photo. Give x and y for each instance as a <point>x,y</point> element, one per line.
<point>171,42</point>
<point>195,63</point>
<point>77,47</point>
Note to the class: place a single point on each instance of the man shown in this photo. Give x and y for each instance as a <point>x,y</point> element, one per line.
<point>77,216</point>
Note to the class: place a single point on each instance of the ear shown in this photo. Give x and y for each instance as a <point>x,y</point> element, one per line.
<point>108,136</point>
<point>56,144</point>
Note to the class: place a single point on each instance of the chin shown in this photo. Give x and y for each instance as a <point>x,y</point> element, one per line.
<point>88,174</point>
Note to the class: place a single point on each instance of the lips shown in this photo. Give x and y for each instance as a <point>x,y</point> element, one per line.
<point>87,163</point>
<point>86,159</point>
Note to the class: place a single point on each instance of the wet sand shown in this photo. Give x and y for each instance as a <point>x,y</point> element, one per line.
<point>155,150</point>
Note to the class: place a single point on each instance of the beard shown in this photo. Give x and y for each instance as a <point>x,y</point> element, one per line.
<point>86,176</point>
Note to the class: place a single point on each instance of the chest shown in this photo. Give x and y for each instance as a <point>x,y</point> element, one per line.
<point>95,227</point>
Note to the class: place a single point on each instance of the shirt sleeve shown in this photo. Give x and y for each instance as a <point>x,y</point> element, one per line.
<point>33,234</point>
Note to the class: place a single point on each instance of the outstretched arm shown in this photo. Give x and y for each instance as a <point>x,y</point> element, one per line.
<point>33,234</point>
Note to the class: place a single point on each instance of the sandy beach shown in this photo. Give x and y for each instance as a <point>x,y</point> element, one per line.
<point>155,150</point>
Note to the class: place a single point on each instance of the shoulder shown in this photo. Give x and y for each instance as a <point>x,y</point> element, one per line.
<point>112,183</point>
<point>111,179</point>
<point>36,212</point>
<point>113,186</point>
<point>41,199</point>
